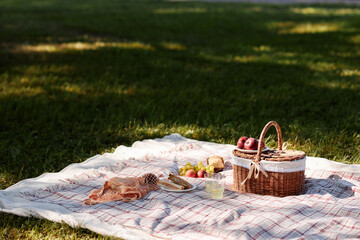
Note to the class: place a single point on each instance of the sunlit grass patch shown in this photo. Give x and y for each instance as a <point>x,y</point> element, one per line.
<point>304,28</point>
<point>279,57</point>
<point>336,85</point>
<point>262,48</point>
<point>53,80</point>
<point>79,46</point>
<point>37,69</point>
<point>99,90</point>
<point>326,11</point>
<point>248,58</point>
<point>30,87</point>
<point>173,46</point>
<point>322,66</point>
<point>29,80</point>
<point>257,9</point>
<point>4,180</point>
<point>355,39</point>
<point>350,73</point>
<point>274,56</point>
<point>83,89</point>
<point>179,10</point>
<point>21,91</point>
<point>346,54</point>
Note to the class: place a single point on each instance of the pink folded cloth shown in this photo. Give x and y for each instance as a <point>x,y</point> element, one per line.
<point>123,189</point>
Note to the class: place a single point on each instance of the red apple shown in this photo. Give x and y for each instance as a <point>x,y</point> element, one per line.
<point>190,173</point>
<point>201,174</point>
<point>241,141</point>
<point>251,144</point>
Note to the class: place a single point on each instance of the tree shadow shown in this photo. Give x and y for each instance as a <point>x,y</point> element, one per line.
<point>214,71</point>
<point>51,106</point>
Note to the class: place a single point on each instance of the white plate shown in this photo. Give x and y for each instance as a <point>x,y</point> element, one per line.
<point>180,191</point>
<point>252,151</point>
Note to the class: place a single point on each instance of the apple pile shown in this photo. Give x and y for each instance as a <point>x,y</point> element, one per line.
<point>249,143</point>
<point>198,170</point>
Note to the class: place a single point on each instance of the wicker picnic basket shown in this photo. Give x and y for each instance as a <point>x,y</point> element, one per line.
<point>274,172</point>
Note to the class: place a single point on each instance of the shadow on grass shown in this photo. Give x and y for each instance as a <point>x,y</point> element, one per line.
<point>107,95</point>
<point>210,71</point>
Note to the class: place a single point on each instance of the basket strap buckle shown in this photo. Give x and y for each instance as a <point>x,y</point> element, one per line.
<point>255,168</point>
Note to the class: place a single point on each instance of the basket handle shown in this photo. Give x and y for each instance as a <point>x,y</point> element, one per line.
<point>262,135</point>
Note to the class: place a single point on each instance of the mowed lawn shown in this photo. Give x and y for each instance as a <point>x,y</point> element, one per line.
<point>79,78</point>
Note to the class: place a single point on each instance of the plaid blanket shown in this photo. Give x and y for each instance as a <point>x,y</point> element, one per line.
<point>330,208</point>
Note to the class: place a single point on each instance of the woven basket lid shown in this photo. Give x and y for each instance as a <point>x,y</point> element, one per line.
<point>271,155</point>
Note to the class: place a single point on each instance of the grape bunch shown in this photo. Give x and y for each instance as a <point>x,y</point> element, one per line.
<point>196,168</point>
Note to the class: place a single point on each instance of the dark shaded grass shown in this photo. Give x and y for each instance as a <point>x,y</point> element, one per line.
<point>233,72</point>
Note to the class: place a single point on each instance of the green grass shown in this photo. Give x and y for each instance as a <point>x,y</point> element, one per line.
<point>78,78</point>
